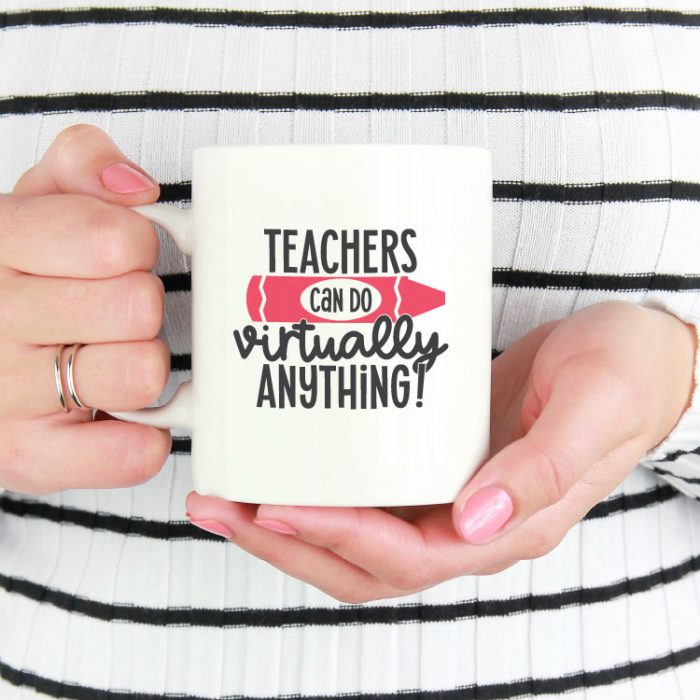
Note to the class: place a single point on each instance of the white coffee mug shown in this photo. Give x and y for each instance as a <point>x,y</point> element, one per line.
<point>341,322</point>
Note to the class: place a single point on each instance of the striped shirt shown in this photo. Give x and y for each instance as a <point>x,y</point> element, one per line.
<point>593,119</point>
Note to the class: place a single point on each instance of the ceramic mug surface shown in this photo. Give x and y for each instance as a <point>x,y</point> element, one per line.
<point>341,322</point>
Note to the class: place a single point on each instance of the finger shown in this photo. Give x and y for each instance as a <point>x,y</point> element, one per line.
<point>114,376</point>
<point>45,456</point>
<point>74,236</point>
<point>509,384</point>
<point>401,571</point>
<point>542,531</point>
<point>46,310</point>
<point>83,159</point>
<point>384,547</point>
<point>306,562</point>
<point>396,552</point>
<point>585,417</point>
<point>403,556</point>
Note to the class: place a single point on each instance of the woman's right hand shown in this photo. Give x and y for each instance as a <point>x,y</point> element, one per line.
<point>76,267</point>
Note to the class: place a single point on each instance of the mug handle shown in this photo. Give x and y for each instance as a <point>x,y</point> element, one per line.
<point>177,413</point>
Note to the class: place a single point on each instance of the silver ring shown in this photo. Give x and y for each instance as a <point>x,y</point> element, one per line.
<point>69,375</point>
<point>58,379</point>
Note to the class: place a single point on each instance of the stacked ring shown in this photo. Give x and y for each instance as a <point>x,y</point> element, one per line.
<point>57,378</point>
<point>71,384</point>
<point>69,375</point>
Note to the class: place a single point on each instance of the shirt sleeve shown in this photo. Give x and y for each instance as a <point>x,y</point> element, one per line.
<point>677,458</point>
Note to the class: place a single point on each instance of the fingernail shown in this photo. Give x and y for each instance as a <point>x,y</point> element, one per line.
<point>485,513</point>
<point>214,526</point>
<point>123,179</point>
<point>277,526</point>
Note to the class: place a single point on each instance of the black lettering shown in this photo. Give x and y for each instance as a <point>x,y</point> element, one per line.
<point>379,385</point>
<point>354,299</point>
<point>381,330</point>
<point>366,299</point>
<point>400,388</point>
<point>250,334</point>
<point>309,386</point>
<point>386,341</point>
<point>327,267</point>
<point>390,239</point>
<point>354,251</point>
<point>266,391</point>
<point>308,254</point>
<point>312,300</point>
<point>348,390</point>
<point>327,370</point>
<point>337,299</point>
<point>272,232</point>
<point>348,246</point>
<point>287,386</point>
<point>288,246</point>
<point>367,252</point>
<point>405,235</point>
<point>363,386</point>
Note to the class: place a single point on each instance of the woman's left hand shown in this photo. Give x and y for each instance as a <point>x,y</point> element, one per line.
<point>575,404</point>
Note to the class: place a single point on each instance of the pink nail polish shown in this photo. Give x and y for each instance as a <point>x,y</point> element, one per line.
<point>485,513</point>
<point>123,179</point>
<point>277,526</point>
<point>214,526</point>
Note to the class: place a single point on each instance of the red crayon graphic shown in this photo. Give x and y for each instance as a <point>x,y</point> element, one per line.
<point>338,299</point>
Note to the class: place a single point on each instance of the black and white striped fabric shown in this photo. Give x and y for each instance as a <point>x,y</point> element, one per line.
<point>593,118</point>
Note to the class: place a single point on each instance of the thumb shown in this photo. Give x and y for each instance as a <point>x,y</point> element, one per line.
<point>591,410</point>
<point>83,159</point>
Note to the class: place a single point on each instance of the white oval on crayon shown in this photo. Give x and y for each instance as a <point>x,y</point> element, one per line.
<point>340,299</point>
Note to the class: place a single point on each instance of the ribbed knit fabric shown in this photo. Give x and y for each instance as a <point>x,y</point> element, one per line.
<point>593,119</point>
